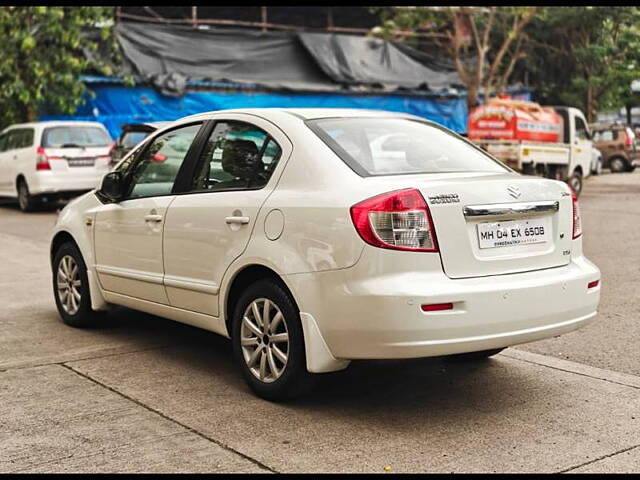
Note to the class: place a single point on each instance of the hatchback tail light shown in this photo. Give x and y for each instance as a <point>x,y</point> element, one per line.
<point>628,137</point>
<point>397,220</point>
<point>577,221</point>
<point>42,159</point>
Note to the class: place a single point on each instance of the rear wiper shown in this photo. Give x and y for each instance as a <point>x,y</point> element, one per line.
<point>72,145</point>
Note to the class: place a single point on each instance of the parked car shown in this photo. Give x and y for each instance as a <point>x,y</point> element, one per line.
<point>596,161</point>
<point>50,160</point>
<point>277,228</point>
<point>617,142</point>
<point>132,134</point>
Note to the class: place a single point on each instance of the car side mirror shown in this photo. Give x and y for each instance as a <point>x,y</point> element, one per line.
<point>113,186</point>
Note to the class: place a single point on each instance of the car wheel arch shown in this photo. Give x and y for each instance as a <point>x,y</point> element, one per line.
<point>21,178</point>
<point>245,276</point>
<point>59,239</point>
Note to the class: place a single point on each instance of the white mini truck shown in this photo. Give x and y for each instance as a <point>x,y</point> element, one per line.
<point>569,160</point>
<point>49,160</point>
<point>311,242</point>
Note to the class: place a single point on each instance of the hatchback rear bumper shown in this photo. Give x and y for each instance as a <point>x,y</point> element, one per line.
<point>50,183</point>
<point>366,316</point>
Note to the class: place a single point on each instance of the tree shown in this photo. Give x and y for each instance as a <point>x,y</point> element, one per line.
<point>44,52</point>
<point>485,43</point>
<point>585,56</point>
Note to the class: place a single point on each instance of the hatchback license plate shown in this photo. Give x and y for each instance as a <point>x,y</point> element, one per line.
<point>513,232</point>
<point>82,162</point>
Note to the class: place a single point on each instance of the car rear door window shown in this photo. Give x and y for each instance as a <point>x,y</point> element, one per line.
<point>237,156</point>
<point>26,139</point>
<point>155,170</point>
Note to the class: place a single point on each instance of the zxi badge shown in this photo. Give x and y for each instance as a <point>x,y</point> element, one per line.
<point>514,191</point>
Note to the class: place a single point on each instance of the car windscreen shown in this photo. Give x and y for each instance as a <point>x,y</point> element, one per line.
<point>75,136</point>
<point>131,139</point>
<point>392,146</point>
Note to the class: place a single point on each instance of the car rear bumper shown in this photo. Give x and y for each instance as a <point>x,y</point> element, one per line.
<point>50,183</point>
<point>366,316</point>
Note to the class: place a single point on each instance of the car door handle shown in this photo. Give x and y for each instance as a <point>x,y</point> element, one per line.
<point>240,220</point>
<point>153,218</point>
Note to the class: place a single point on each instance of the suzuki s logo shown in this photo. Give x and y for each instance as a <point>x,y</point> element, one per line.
<point>514,191</point>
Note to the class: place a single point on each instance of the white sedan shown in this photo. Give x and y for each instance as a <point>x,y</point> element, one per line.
<point>286,231</point>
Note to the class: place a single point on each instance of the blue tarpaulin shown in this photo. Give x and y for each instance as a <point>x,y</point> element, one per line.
<point>114,105</point>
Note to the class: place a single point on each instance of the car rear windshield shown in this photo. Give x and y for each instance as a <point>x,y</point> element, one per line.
<point>80,136</point>
<point>392,146</point>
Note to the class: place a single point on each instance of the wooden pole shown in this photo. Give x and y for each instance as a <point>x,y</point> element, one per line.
<point>263,13</point>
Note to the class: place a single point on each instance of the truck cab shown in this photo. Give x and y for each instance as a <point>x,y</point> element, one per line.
<point>576,134</point>
<point>553,142</point>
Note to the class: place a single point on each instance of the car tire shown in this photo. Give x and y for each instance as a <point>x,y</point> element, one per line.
<point>274,368</point>
<point>71,287</point>
<point>575,182</point>
<point>618,165</point>
<point>26,202</point>
<point>475,356</point>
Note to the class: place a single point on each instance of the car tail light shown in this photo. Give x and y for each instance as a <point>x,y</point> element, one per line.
<point>397,220</point>
<point>42,159</point>
<point>593,284</point>
<point>577,221</point>
<point>628,139</point>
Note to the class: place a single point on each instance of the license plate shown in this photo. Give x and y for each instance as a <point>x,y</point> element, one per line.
<point>514,232</point>
<point>81,162</point>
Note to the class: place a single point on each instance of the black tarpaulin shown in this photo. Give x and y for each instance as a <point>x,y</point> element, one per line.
<point>372,61</point>
<point>168,55</point>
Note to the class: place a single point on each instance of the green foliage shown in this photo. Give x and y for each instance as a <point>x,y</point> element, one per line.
<point>584,56</point>
<point>44,51</point>
<point>484,43</point>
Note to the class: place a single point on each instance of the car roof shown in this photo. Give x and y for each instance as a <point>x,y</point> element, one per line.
<point>54,123</point>
<point>306,113</point>
<point>144,126</point>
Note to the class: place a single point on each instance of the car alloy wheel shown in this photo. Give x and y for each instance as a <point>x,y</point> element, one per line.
<point>617,165</point>
<point>264,339</point>
<point>68,285</point>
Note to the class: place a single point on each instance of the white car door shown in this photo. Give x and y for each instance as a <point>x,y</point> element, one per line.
<point>128,234</point>
<point>209,227</point>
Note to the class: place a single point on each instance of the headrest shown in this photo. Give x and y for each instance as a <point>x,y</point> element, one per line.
<point>239,158</point>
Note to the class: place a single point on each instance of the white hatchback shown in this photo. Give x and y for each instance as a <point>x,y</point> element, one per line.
<point>47,160</point>
<point>311,242</point>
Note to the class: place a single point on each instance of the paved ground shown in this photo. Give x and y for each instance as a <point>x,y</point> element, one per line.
<point>146,394</point>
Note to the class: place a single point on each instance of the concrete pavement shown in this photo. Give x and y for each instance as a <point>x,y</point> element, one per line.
<point>143,394</point>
